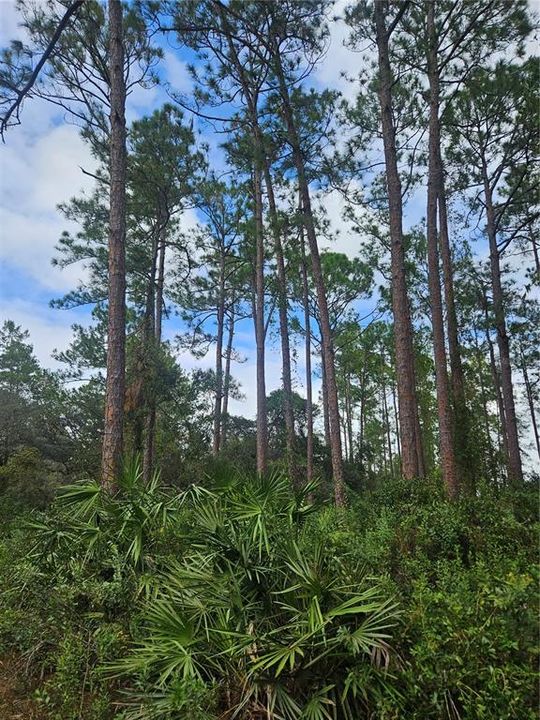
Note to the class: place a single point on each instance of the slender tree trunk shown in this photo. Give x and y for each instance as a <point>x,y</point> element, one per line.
<point>530,400</point>
<point>386,419</point>
<point>216,441</point>
<point>283,328</point>
<point>309,379</point>
<point>411,441</point>
<point>262,419</point>
<point>483,396</point>
<point>150,423</point>
<point>495,376</point>
<point>345,443</point>
<point>396,419</point>
<point>327,343</point>
<point>113,438</point>
<point>147,369</point>
<point>383,423</point>
<point>460,414</point>
<point>227,381</point>
<point>515,472</point>
<point>446,439</point>
<point>349,417</point>
<point>362,415</point>
<point>251,94</point>
<point>537,260</point>
<point>420,450</point>
<point>498,394</point>
<point>326,415</point>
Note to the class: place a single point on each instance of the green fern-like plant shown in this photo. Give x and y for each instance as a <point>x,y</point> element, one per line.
<point>263,612</point>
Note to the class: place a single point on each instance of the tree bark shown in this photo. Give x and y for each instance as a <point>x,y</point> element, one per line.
<point>113,438</point>
<point>251,92</point>
<point>362,415</point>
<point>326,415</point>
<point>411,442</point>
<point>283,328</point>
<point>349,417</point>
<point>483,396</point>
<point>150,424</point>
<point>327,344</point>
<point>387,418</point>
<point>530,400</point>
<point>534,244</point>
<point>147,342</point>
<point>515,472</point>
<point>160,286</point>
<point>460,413</point>
<point>498,394</point>
<point>396,420</point>
<point>227,380</point>
<point>345,436</point>
<point>444,408</point>
<point>216,440</point>
<point>309,380</point>
<point>262,418</point>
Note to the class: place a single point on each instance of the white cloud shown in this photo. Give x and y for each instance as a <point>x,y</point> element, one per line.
<point>176,72</point>
<point>339,57</point>
<point>9,22</point>
<point>49,329</point>
<point>36,175</point>
<point>344,240</point>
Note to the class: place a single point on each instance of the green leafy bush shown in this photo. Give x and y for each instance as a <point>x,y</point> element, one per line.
<point>470,638</point>
<point>27,481</point>
<point>244,596</point>
<point>280,625</point>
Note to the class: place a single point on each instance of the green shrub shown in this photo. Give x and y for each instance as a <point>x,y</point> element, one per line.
<point>27,480</point>
<point>470,639</point>
<point>265,612</point>
<point>165,605</point>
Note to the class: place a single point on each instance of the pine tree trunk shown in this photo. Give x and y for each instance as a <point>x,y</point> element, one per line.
<point>283,329</point>
<point>530,401</point>
<point>411,442</point>
<point>386,419</point>
<point>251,97</point>
<point>262,419</point>
<point>362,415</point>
<point>227,381</point>
<point>350,420</point>
<point>113,438</point>
<point>534,243</point>
<point>327,343</point>
<point>216,440</point>
<point>444,408</point>
<point>384,448</point>
<point>483,396</point>
<point>345,442</point>
<point>309,379</point>
<point>148,345</point>
<point>396,418</point>
<point>460,413</point>
<point>326,415</point>
<point>515,472</point>
<point>496,377</point>
<point>160,307</point>
<point>150,423</point>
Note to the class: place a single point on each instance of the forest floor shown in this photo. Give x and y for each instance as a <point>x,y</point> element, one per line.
<point>16,702</point>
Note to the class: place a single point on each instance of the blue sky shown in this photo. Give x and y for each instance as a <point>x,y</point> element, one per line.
<point>40,167</point>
